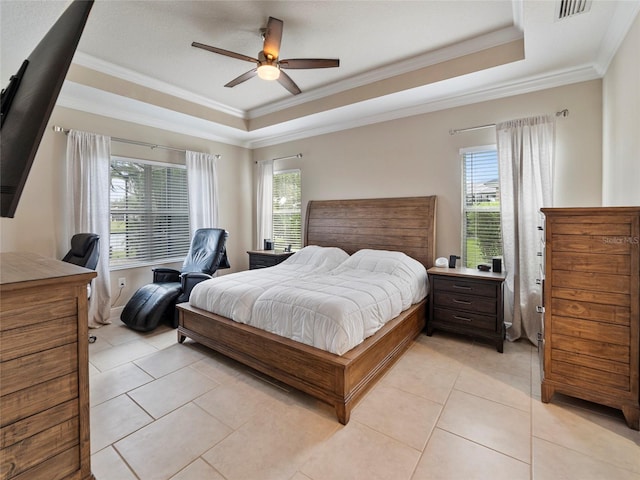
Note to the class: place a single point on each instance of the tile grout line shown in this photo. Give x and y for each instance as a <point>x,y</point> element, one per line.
<point>435,425</point>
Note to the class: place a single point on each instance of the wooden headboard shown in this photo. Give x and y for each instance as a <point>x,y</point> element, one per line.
<point>406,224</point>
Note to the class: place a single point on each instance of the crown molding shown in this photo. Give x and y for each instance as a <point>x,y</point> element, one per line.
<point>434,104</point>
<point>417,101</point>
<point>117,71</point>
<point>92,100</point>
<point>617,30</point>
<point>466,47</point>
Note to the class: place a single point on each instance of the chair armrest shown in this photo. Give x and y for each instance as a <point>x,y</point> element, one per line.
<point>163,275</point>
<point>190,280</point>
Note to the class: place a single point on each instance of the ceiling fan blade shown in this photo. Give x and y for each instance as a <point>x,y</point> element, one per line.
<point>273,37</point>
<point>286,82</point>
<point>309,63</point>
<point>242,78</point>
<point>221,51</point>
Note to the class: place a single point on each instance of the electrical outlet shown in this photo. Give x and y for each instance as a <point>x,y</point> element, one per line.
<point>122,282</point>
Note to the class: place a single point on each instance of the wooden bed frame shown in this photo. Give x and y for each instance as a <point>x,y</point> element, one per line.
<point>402,224</point>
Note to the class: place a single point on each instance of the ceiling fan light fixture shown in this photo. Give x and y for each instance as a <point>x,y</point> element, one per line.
<point>267,65</point>
<point>268,72</point>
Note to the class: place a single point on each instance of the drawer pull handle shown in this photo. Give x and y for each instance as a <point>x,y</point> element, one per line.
<point>538,281</point>
<point>540,227</point>
<point>464,319</point>
<point>539,309</point>
<point>463,302</point>
<point>461,287</point>
<point>539,254</point>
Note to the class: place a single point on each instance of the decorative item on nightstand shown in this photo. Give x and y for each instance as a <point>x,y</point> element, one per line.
<point>497,265</point>
<point>441,262</point>
<point>467,301</point>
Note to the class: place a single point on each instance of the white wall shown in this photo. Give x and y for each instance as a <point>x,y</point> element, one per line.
<point>417,156</point>
<point>621,121</point>
<point>40,223</point>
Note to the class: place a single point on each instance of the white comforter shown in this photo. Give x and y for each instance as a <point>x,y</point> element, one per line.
<point>319,296</point>
<point>337,310</point>
<point>233,295</point>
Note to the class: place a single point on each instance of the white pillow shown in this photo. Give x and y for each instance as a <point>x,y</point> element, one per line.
<point>324,258</point>
<point>397,264</point>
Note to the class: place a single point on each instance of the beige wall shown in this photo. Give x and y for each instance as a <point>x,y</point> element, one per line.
<point>40,223</point>
<point>621,132</point>
<point>417,156</point>
<point>410,156</point>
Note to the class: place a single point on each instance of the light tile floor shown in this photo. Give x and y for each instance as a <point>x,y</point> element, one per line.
<point>449,409</point>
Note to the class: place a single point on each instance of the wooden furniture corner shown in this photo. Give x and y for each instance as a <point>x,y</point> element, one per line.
<point>44,366</point>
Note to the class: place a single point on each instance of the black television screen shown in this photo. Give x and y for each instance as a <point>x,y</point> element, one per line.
<point>29,98</point>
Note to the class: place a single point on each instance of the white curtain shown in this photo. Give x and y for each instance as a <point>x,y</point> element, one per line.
<point>525,153</point>
<point>264,207</point>
<point>88,164</point>
<point>202,181</point>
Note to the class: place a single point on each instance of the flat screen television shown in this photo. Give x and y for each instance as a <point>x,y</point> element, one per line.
<point>29,98</point>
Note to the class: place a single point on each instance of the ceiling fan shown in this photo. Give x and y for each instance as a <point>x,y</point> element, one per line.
<point>268,64</point>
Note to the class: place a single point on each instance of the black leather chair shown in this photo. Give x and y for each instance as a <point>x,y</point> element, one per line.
<point>84,250</point>
<point>155,303</point>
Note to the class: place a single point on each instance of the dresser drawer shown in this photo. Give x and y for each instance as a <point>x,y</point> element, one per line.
<point>31,452</point>
<point>38,398</point>
<point>24,310</point>
<point>468,303</point>
<point>29,339</point>
<point>468,287</point>
<point>471,320</point>
<point>29,370</point>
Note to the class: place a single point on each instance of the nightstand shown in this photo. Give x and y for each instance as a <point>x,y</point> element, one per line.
<point>467,301</point>
<point>266,258</point>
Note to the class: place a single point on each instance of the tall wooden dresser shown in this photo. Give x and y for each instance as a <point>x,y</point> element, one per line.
<point>44,369</point>
<point>591,339</point>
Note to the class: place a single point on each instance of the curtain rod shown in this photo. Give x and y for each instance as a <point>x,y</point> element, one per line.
<point>59,129</point>
<point>561,113</point>
<point>297,155</point>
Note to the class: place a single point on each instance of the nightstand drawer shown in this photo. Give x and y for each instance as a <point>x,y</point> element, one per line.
<point>468,303</point>
<point>471,320</point>
<point>468,287</point>
<point>262,261</point>
<point>266,258</point>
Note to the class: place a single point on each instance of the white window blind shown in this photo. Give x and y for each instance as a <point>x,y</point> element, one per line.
<point>481,227</point>
<point>287,209</point>
<point>149,212</point>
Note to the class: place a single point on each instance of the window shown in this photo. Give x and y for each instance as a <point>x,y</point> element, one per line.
<point>481,226</point>
<point>149,212</point>
<point>287,209</point>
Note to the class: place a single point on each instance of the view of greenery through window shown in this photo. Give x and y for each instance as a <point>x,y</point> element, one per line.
<point>482,231</point>
<point>149,212</point>
<point>287,210</point>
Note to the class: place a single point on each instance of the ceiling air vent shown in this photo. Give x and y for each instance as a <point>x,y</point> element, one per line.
<point>570,8</point>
